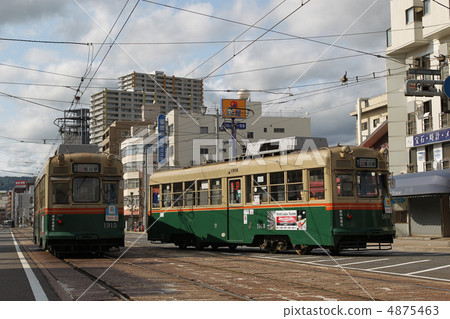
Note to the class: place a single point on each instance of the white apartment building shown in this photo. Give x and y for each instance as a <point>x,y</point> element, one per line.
<point>419,127</point>
<point>136,90</point>
<point>370,114</point>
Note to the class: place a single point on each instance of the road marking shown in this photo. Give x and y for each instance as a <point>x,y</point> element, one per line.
<point>402,264</point>
<point>361,262</point>
<point>38,292</point>
<point>426,270</point>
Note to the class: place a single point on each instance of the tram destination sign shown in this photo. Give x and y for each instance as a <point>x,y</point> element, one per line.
<point>86,168</point>
<point>363,162</point>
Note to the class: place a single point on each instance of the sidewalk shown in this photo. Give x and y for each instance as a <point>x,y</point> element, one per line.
<point>422,244</point>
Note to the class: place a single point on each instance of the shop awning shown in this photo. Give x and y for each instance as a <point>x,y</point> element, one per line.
<point>423,183</point>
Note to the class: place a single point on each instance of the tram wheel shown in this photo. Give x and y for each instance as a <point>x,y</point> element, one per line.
<point>182,244</point>
<point>303,249</point>
<point>214,246</point>
<point>335,251</point>
<point>232,247</point>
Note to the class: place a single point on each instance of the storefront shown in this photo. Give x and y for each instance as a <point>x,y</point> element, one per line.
<point>421,203</point>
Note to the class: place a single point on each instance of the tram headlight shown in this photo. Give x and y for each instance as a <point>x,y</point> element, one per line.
<point>61,159</point>
<point>345,150</point>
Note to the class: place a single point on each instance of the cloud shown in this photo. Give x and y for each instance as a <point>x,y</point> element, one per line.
<point>313,75</point>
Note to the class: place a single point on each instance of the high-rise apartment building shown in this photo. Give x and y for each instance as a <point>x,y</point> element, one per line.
<point>138,89</point>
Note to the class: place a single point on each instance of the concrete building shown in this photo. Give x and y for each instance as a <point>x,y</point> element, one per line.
<point>419,127</point>
<point>371,121</point>
<point>137,89</point>
<point>192,139</point>
<point>3,205</point>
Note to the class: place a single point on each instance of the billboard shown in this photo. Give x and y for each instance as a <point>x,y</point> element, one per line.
<point>234,109</point>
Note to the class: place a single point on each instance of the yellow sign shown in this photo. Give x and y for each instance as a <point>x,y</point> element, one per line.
<point>234,109</point>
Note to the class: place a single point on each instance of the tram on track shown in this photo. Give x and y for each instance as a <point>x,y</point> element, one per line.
<point>79,202</point>
<point>334,197</point>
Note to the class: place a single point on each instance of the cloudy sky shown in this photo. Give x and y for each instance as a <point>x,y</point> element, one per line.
<point>290,54</point>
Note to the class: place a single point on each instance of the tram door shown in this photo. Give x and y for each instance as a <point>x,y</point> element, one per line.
<point>235,215</point>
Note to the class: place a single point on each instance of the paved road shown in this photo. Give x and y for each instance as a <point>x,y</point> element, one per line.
<point>18,280</point>
<point>422,265</point>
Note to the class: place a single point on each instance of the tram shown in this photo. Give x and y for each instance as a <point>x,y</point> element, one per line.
<point>334,198</point>
<point>79,202</point>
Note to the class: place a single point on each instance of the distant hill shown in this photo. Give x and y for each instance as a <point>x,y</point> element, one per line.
<point>7,183</point>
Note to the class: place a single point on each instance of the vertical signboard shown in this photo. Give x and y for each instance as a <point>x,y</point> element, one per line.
<point>161,139</point>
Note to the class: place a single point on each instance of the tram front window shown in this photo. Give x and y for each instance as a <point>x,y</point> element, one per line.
<point>366,183</point>
<point>61,193</point>
<point>110,193</point>
<point>86,190</point>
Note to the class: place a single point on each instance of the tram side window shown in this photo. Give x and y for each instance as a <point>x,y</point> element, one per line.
<point>216,191</point>
<point>86,190</point>
<point>344,185</point>
<point>260,187</point>
<point>177,198</point>
<point>316,184</point>
<point>189,194</point>
<point>277,187</point>
<point>166,195</point>
<point>294,185</point>
<point>202,192</point>
<point>110,193</point>
<point>61,193</point>
<point>155,195</point>
<point>366,184</point>
<point>235,191</point>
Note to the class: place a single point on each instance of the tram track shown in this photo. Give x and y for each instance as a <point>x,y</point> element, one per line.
<point>234,272</point>
<point>98,281</point>
<point>193,282</point>
<point>400,286</point>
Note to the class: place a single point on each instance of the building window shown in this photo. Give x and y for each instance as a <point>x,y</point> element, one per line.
<point>426,7</point>
<point>203,130</point>
<point>265,130</point>
<point>414,14</point>
<point>363,126</point>
<point>278,130</point>
<point>249,134</point>
<point>203,151</point>
<point>376,122</point>
<point>125,133</point>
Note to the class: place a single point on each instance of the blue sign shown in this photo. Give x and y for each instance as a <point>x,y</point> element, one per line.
<point>227,125</point>
<point>111,213</point>
<point>241,126</point>
<point>161,139</point>
<point>432,137</point>
<point>446,86</point>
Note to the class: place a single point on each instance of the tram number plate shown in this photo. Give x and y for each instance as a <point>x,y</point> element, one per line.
<point>110,225</point>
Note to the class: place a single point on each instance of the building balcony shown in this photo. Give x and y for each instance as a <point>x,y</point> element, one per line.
<point>427,124</point>
<point>428,166</point>
<point>444,120</point>
<point>412,168</point>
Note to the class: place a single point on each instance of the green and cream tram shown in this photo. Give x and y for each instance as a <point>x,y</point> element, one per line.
<point>335,198</point>
<point>79,203</point>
